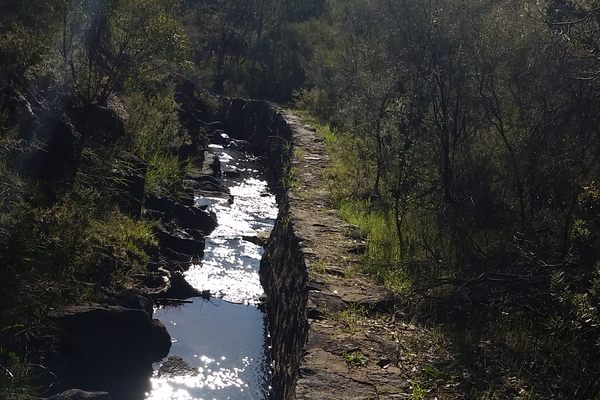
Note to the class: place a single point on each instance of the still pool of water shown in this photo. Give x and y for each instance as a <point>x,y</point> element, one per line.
<point>226,342</point>
<point>225,338</point>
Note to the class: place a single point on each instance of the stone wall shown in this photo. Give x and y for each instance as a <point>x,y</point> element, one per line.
<point>283,268</point>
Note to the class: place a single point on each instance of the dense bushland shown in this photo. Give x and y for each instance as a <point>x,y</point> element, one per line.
<point>83,109</point>
<point>465,143</point>
<point>466,139</point>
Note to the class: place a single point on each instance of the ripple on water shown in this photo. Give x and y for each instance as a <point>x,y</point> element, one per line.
<point>224,338</point>
<point>230,266</point>
<point>230,356</point>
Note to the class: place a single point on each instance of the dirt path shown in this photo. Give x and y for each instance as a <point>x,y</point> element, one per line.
<point>358,347</point>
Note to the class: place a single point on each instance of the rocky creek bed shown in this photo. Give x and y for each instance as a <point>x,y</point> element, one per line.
<point>207,334</point>
<point>219,347</point>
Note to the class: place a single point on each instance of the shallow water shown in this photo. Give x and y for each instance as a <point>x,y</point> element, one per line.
<point>226,342</point>
<point>225,337</point>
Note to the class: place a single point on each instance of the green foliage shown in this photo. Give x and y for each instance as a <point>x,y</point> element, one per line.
<point>125,240</point>
<point>251,48</point>
<point>418,393</point>
<point>433,373</point>
<point>355,358</point>
<point>155,131</point>
<point>164,174</point>
<point>290,180</point>
<point>112,43</point>
<point>351,318</point>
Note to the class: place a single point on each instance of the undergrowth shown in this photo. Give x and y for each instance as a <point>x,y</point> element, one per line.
<point>514,335</point>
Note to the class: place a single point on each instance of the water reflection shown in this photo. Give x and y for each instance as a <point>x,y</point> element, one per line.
<point>224,342</point>
<point>224,339</point>
<point>230,266</point>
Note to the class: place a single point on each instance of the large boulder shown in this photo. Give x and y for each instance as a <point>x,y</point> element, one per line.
<point>111,335</point>
<point>184,215</point>
<point>103,347</point>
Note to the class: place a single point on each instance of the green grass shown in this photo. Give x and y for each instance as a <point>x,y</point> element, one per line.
<point>418,393</point>
<point>319,266</point>
<point>355,358</point>
<point>291,180</point>
<point>352,318</point>
<point>383,258</point>
<point>154,130</point>
<point>299,153</point>
<point>164,174</point>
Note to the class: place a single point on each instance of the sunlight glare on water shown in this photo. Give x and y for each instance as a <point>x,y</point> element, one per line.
<point>224,339</point>
<point>230,266</point>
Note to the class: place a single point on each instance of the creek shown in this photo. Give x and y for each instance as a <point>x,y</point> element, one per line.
<point>224,337</point>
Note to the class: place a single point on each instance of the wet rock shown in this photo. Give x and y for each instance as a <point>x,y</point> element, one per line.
<point>211,166</point>
<point>76,394</point>
<point>176,366</point>
<point>179,244</point>
<point>209,186</point>
<point>187,216</point>
<point>195,218</point>
<point>180,288</point>
<point>260,239</point>
<point>231,172</point>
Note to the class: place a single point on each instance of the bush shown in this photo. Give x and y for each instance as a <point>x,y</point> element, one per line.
<point>155,132</point>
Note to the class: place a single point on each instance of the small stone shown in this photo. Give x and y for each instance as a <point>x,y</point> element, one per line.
<point>176,366</point>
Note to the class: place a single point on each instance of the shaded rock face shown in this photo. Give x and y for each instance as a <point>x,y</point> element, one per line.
<point>283,274</point>
<point>100,124</point>
<point>183,215</point>
<point>108,347</point>
<point>76,394</point>
<point>53,152</point>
